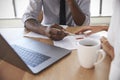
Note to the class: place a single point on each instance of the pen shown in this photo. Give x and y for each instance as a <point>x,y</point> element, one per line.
<point>79,38</point>
<point>70,34</point>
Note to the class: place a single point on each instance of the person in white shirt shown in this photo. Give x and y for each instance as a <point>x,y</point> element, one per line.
<point>111,45</point>
<point>77,13</point>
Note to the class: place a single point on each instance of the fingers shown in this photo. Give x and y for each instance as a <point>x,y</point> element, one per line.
<point>56,38</point>
<point>57,26</point>
<point>107,47</point>
<point>82,30</point>
<point>57,34</point>
<point>93,29</point>
<point>103,39</point>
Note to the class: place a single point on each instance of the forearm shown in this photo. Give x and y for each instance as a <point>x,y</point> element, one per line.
<point>105,28</point>
<point>77,14</point>
<point>35,26</point>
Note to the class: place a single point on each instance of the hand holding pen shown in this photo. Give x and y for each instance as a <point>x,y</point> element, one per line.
<point>56,32</point>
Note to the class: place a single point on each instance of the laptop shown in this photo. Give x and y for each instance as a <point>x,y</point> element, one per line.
<point>30,55</point>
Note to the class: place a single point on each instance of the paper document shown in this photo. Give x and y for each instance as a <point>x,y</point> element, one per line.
<point>35,35</point>
<point>70,42</point>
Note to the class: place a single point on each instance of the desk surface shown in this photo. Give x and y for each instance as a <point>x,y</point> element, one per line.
<point>66,69</point>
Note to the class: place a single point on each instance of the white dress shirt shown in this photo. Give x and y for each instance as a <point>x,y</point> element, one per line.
<point>51,11</point>
<point>114,40</point>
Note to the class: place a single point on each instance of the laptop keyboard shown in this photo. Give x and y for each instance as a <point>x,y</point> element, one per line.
<point>30,57</point>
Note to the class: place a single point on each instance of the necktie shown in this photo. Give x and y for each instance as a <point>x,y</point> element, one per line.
<point>62,13</point>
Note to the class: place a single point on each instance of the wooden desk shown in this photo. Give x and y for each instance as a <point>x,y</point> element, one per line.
<point>66,69</point>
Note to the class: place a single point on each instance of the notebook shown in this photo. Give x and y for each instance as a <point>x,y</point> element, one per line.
<point>30,55</point>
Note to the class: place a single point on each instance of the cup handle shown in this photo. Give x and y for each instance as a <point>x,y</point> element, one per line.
<point>103,56</point>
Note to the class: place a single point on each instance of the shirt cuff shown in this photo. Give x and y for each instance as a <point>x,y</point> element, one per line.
<point>26,17</point>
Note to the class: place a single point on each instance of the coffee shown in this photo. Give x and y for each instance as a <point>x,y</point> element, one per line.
<point>89,42</point>
<point>88,45</point>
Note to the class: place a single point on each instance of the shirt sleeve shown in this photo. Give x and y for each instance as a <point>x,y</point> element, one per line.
<point>114,71</point>
<point>84,5</point>
<point>115,65</point>
<point>33,10</point>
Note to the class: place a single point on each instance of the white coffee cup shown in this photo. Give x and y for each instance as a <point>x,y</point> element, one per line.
<point>88,52</point>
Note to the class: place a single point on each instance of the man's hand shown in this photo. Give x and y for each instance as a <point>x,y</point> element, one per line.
<point>57,27</point>
<point>91,29</point>
<point>56,32</point>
